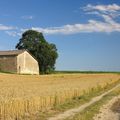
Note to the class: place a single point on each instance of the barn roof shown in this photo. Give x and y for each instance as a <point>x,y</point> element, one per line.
<point>11,52</point>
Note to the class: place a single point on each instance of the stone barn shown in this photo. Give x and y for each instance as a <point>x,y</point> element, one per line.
<point>18,61</point>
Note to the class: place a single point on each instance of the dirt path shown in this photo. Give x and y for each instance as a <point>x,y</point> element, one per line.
<point>72,112</point>
<point>106,113</point>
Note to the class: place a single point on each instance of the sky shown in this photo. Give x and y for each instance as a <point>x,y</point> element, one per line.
<point>86,32</point>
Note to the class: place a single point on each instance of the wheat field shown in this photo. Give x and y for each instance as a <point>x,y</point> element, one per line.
<point>27,94</point>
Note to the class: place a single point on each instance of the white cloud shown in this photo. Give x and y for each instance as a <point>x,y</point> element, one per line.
<point>13,33</point>
<point>110,10</point>
<point>107,12</point>
<point>91,26</point>
<point>27,17</point>
<point>104,8</point>
<point>24,29</point>
<point>4,27</point>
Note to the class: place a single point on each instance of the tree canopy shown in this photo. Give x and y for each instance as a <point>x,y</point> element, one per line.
<point>45,53</point>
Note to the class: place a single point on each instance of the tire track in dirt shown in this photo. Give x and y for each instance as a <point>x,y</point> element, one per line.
<point>106,113</point>
<point>74,111</point>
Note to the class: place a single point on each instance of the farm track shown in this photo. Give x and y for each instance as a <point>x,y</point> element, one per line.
<point>106,113</point>
<point>72,112</point>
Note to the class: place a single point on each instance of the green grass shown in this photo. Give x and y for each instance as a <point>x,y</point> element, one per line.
<point>71,72</point>
<point>85,72</point>
<point>7,72</point>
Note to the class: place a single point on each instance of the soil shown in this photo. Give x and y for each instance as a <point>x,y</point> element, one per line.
<point>106,113</point>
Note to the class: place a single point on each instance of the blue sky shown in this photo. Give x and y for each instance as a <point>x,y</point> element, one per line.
<point>86,32</point>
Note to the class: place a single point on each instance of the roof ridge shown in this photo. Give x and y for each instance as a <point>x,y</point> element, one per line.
<point>11,52</point>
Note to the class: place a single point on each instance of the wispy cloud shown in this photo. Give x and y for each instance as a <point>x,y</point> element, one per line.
<point>5,27</point>
<point>91,26</point>
<point>110,10</point>
<point>107,12</point>
<point>13,33</point>
<point>27,17</point>
<point>103,8</point>
<point>8,29</point>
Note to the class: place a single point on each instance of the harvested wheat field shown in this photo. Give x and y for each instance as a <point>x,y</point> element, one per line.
<point>21,94</point>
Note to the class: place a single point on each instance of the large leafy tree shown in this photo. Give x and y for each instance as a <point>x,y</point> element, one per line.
<point>45,53</point>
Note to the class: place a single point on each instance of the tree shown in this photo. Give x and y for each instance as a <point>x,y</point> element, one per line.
<point>45,53</point>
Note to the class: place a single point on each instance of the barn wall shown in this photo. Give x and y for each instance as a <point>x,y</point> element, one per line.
<point>20,63</point>
<point>8,63</point>
<point>27,64</point>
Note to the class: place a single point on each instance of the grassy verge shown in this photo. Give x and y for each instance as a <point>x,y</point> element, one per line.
<point>7,72</point>
<point>74,102</point>
<point>84,72</point>
<point>71,72</point>
<point>90,111</point>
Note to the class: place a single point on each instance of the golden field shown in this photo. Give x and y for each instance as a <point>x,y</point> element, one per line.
<point>20,94</point>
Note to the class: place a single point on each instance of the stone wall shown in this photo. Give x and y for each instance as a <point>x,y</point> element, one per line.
<point>8,64</point>
<point>23,63</point>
